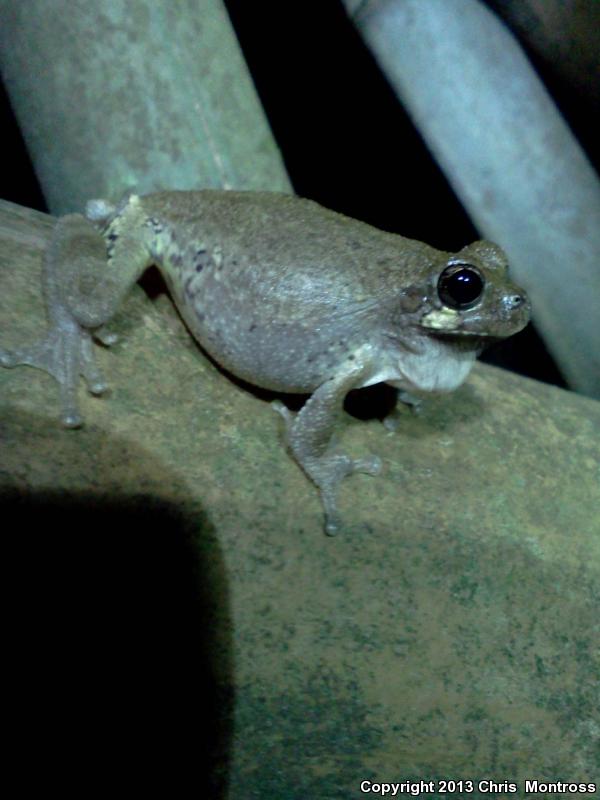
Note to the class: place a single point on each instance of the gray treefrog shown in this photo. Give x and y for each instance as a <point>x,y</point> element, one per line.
<point>284,294</point>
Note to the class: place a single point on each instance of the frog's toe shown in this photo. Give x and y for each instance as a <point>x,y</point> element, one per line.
<point>99,210</point>
<point>105,336</point>
<point>288,416</point>
<point>414,402</point>
<point>328,484</point>
<point>97,387</point>
<point>371,465</point>
<point>332,523</point>
<point>92,375</point>
<point>282,409</point>
<point>391,421</point>
<point>71,418</point>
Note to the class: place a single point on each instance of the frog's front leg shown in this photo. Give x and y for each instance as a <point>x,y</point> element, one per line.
<point>82,290</point>
<point>414,402</point>
<point>308,436</point>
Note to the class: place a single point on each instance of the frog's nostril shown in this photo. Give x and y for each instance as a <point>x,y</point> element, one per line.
<point>516,300</point>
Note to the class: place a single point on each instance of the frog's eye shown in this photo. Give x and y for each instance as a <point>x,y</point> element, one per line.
<point>460,286</point>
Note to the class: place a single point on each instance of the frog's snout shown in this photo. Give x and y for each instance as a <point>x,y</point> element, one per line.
<point>516,309</point>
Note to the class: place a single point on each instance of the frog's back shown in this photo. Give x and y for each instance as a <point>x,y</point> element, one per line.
<point>277,289</point>
<point>290,241</point>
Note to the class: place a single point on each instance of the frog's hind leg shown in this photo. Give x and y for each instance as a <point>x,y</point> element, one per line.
<point>85,277</point>
<point>308,435</point>
<point>75,264</point>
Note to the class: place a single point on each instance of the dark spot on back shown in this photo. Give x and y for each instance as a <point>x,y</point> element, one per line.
<point>201,259</point>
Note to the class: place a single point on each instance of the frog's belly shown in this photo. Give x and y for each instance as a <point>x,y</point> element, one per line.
<point>284,355</point>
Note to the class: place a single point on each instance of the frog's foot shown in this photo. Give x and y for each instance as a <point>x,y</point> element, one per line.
<point>66,352</point>
<point>325,469</point>
<point>327,472</point>
<point>413,401</point>
<point>393,420</point>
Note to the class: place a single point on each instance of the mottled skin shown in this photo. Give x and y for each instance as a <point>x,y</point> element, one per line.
<point>282,293</point>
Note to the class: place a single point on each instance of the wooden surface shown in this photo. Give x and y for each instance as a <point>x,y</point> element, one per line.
<point>169,576</point>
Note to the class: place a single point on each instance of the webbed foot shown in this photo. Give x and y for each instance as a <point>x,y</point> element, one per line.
<point>326,470</point>
<point>66,353</point>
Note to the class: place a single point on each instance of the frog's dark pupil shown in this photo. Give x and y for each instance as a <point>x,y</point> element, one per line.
<point>460,286</point>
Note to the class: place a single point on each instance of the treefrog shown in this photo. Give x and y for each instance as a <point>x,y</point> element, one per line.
<point>283,293</point>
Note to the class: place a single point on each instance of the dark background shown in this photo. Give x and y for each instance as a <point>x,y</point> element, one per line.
<point>346,140</point>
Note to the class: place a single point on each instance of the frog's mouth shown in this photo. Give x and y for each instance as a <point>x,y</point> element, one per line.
<point>510,315</point>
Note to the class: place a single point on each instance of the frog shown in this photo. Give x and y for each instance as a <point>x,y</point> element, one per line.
<point>284,294</point>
